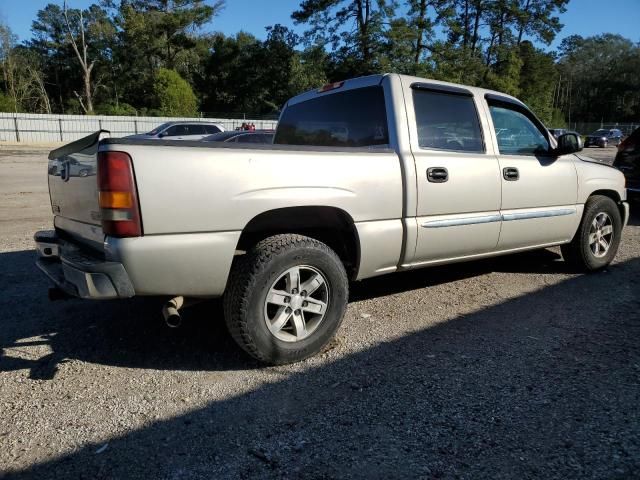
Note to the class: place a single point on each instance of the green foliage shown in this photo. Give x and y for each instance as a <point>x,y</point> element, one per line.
<point>600,78</point>
<point>557,119</point>
<point>174,96</point>
<point>121,109</point>
<point>6,104</point>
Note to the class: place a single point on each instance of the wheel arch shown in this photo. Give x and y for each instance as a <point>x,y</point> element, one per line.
<point>613,195</point>
<point>330,225</point>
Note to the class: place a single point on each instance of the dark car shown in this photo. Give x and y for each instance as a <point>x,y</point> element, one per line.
<point>242,136</point>
<point>604,137</point>
<point>556,132</point>
<point>628,162</point>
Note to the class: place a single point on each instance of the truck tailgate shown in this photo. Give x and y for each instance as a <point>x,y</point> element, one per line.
<point>73,189</point>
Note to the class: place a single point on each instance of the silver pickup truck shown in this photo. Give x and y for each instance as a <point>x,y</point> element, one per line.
<point>365,177</point>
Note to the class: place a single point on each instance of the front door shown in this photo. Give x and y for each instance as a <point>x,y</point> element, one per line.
<point>458,181</point>
<point>539,191</point>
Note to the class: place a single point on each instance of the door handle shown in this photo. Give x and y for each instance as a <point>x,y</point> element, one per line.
<point>511,174</point>
<point>437,174</point>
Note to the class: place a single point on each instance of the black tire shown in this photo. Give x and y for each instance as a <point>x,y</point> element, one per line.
<point>84,173</point>
<point>579,253</point>
<point>252,277</point>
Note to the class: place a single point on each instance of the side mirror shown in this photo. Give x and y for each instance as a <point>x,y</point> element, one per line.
<point>568,143</point>
<point>163,134</point>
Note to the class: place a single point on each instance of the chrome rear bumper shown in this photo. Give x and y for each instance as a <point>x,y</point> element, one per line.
<point>79,273</point>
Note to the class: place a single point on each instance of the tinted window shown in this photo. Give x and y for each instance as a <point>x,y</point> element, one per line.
<point>209,129</point>
<point>516,133</point>
<point>446,121</point>
<point>355,118</point>
<point>177,130</point>
<point>158,129</point>
<point>196,129</point>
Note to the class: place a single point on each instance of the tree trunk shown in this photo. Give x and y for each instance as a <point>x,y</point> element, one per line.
<point>476,26</point>
<point>465,37</point>
<point>422,11</point>
<point>87,91</point>
<point>523,22</point>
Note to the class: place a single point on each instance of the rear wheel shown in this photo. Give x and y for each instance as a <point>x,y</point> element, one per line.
<point>598,237</point>
<point>286,298</point>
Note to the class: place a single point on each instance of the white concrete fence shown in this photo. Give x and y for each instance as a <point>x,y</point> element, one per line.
<point>43,128</point>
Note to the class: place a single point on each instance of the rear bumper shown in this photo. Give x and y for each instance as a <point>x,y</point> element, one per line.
<point>78,273</point>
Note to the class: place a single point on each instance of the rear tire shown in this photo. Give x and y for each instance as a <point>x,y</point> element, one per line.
<point>286,298</point>
<point>596,242</point>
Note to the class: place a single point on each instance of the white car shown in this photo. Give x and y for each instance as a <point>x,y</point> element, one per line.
<point>182,131</point>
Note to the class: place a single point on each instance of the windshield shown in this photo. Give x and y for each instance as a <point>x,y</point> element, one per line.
<point>158,129</point>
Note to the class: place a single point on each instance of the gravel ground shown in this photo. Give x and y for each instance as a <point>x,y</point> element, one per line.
<point>510,368</point>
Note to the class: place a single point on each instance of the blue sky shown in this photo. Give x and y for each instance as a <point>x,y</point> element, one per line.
<point>583,17</point>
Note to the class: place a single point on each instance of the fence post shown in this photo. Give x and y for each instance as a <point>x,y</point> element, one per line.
<point>60,127</point>
<point>99,124</point>
<point>135,126</point>
<point>15,123</point>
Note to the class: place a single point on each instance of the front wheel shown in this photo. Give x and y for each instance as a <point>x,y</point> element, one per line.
<point>286,298</point>
<point>596,242</point>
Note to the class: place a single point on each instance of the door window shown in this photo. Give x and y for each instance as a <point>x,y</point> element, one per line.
<point>447,121</point>
<point>516,133</point>
<point>196,130</point>
<point>177,130</point>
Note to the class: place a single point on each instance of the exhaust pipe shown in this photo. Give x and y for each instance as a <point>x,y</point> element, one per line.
<point>170,312</point>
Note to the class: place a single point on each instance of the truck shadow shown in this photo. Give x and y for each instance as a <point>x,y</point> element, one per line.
<point>543,385</point>
<point>132,333</point>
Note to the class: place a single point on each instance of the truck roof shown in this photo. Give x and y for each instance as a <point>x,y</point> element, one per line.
<point>377,79</point>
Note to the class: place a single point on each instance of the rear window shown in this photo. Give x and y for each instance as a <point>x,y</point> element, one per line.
<point>354,118</point>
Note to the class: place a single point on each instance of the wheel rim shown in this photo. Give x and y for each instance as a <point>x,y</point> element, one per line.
<point>296,304</point>
<point>601,235</point>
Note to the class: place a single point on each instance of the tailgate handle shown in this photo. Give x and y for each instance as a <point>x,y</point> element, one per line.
<point>437,174</point>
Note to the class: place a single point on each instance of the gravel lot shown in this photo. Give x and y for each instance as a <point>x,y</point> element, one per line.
<point>510,368</point>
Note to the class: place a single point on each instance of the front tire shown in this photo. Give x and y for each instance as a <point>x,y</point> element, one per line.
<point>596,242</point>
<point>286,298</point>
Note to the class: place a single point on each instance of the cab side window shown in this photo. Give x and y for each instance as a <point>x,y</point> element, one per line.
<point>447,121</point>
<point>516,133</point>
<point>177,130</point>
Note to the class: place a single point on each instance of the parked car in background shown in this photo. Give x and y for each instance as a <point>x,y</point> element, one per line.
<point>604,137</point>
<point>181,131</point>
<point>556,132</point>
<point>254,136</point>
<point>72,167</point>
<point>628,162</point>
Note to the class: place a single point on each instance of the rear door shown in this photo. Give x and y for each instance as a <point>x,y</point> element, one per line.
<point>458,181</point>
<point>539,191</point>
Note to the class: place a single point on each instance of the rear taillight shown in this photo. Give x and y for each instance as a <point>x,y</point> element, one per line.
<point>117,194</point>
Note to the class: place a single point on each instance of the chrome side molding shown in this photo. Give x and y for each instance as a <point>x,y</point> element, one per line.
<point>461,221</point>
<point>507,217</point>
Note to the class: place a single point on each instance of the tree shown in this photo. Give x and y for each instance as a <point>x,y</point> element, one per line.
<point>599,78</point>
<point>174,96</point>
<point>82,29</point>
<point>330,22</point>
<point>22,77</point>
